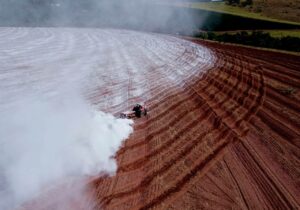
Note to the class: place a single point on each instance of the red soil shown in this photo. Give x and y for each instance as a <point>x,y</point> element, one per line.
<point>229,139</point>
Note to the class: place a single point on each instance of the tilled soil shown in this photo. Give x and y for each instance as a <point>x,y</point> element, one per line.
<point>228,140</point>
<point>223,125</point>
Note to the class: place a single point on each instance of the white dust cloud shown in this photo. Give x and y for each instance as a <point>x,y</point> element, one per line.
<point>46,139</point>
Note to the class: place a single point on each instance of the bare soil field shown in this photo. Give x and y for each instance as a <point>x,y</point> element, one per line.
<point>224,138</point>
<point>228,140</point>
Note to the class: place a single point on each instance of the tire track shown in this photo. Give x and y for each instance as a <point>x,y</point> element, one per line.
<point>206,102</point>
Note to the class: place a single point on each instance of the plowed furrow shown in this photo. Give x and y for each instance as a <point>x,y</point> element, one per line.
<point>167,145</point>
<point>291,121</point>
<point>223,128</point>
<point>279,128</point>
<point>275,197</point>
<point>180,184</point>
<point>172,120</point>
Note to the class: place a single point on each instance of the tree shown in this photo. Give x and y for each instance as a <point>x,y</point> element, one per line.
<point>232,2</point>
<point>246,2</point>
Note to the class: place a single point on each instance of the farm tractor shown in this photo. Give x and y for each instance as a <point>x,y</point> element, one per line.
<point>137,111</point>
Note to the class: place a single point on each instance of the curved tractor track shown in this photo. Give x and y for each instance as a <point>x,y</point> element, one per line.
<point>228,139</point>
<point>223,129</point>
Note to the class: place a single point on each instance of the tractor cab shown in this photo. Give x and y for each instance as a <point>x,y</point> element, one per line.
<point>137,111</point>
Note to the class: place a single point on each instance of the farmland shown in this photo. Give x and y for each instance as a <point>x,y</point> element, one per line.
<point>223,124</point>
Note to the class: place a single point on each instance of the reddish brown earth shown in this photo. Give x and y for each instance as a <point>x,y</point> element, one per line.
<point>229,139</point>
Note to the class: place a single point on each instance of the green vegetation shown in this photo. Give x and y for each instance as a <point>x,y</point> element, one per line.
<point>255,38</point>
<point>273,33</point>
<point>216,21</point>
<point>283,33</point>
<point>238,21</point>
<point>241,3</point>
<point>222,7</point>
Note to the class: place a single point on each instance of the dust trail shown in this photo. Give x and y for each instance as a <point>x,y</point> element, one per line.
<point>49,77</point>
<point>45,139</point>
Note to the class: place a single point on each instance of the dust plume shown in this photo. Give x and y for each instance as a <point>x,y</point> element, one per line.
<point>47,139</point>
<point>153,16</point>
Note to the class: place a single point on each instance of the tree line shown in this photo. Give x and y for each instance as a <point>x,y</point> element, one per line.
<point>242,3</point>
<point>254,38</point>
